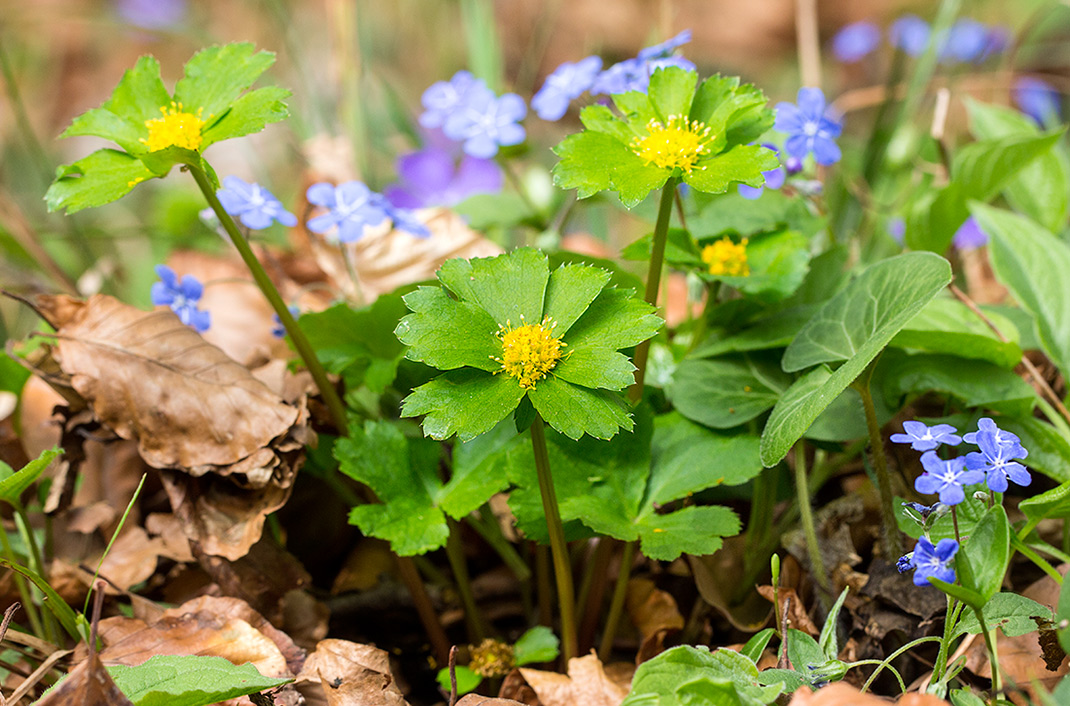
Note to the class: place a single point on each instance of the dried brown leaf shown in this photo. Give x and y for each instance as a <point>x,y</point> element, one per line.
<point>655,613</point>
<point>349,674</point>
<point>88,684</point>
<point>477,700</point>
<point>586,683</point>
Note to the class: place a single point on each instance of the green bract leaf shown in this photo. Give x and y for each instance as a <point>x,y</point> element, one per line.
<point>514,329</point>
<point>249,114</point>
<point>853,326</point>
<point>189,680</point>
<point>100,178</point>
<point>672,130</point>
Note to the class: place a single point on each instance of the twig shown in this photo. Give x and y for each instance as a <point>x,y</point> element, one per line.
<point>782,661</point>
<point>453,675</point>
<point>808,43</point>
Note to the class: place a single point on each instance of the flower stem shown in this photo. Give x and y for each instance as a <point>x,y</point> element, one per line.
<point>304,349</point>
<point>616,604</point>
<point>892,542</point>
<point>806,517</point>
<point>653,281</point>
<point>558,546</point>
<point>455,556</point>
<point>993,658</point>
<point>24,589</point>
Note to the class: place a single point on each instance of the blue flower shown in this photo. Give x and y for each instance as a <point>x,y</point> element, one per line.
<point>255,204</point>
<point>1038,99</point>
<point>910,34</point>
<point>905,563</point>
<point>923,438</point>
<point>634,74</point>
<point>897,228</point>
<point>443,98</point>
<point>997,460</point>
<point>404,219</point>
<point>433,177</point>
<point>855,41</point>
<point>946,478</point>
<point>279,331</point>
<point>810,127</point>
<point>485,121</point>
<point>152,14</point>
<point>350,207</point>
<point>986,425</point>
<point>665,48</point>
<point>966,41</point>
<point>969,235</point>
<point>182,296</point>
<point>930,561</point>
<point>567,82</point>
<point>774,179</point>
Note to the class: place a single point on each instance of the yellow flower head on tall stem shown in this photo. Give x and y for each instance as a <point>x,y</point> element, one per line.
<point>677,143</point>
<point>529,352</point>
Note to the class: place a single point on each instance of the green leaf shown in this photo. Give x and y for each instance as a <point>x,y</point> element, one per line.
<point>570,291</point>
<point>510,287</point>
<point>464,402</point>
<point>1049,451</point>
<point>661,676</point>
<point>967,595</point>
<point>1062,617</point>
<point>726,392</point>
<point>595,368</point>
<point>120,129</point>
<point>775,331</point>
<point>446,333</point>
<point>696,530</point>
<point>539,644</point>
<point>688,458</point>
<point>58,607</point>
<point>975,382</point>
<point>467,680</point>
<point>575,411</point>
<point>982,561</point>
<point>592,162</point>
<point>1054,503</point>
<point>1010,612</point>
<point>1030,261</point>
<point>615,319</point>
<point>964,697</point>
<point>671,91</point>
<point>853,326</point>
<point>778,265</point>
<point>138,97</point>
<point>947,325</point>
<point>828,641</point>
<point>189,680</point>
<point>216,76</point>
<point>757,644</point>
<point>743,164</point>
<point>102,177</point>
<point>358,343</point>
<point>249,114</point>
<point>803,651</point>
<point>12,486</point>
<point>679,248</point>
<point>707,691</point>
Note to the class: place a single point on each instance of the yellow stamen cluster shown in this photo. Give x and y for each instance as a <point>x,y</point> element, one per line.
<point>679,143</point>
<point>492,658</point>
<point>175,129</point>
<point>529,351</point>
<point>727,258</point>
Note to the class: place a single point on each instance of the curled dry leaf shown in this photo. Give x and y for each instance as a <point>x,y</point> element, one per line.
<point>477,700</point>
<point>88,684</point>
<point>228,447</point>
<point>586,683</point>
<point>343,673</point>
<point>655,613</point>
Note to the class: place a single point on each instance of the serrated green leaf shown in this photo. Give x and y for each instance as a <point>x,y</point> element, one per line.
<point>696,529</point>
<point>569,292</point>
<point>1030,261</point>
<point>854,326</point>
<point>575,411</point>
<point>102,177</point>
<point>464,402</point>
<point>742,164</point>
<point>358,343</point>
<point>120,129</point>
<point>12,486</point>
<point>947,325</point>
<point>446,333</point>
<point>511,287</point>
<point>137,98</point>
<point>248,114</point>
<point>215,76</point>
<point>189,680</point>
<point>615,319</point>
<point>726,392</point>
<point>671,91</point>
<point>595,367</point>
<point>539,644</point>
<point>688,458</point>
<point>1010,612</point>
<point>592,162</point>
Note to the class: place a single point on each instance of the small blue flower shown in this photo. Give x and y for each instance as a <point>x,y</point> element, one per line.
<point>987,426</point>
<point>897,228</point>
<point>810,127</point>
<point>774,179</point>
<point>152,14</point>
<point>946,478</point>
<point>997,460</point>
<point>443,98</point>
<point>634,74</point>
<point>486,122</point>
<point>999,38</point>
<point>256,206</point>
<point>404,219</point>
<point>910,34</point>
<point>1038,99</point>
<point>923,438</point>
<point>930,561</point>
<point>350,207</point>
<point>665,48</point>
<point>966,41</point>
<point>433,177</point>
<point>969,235</point>
<point>566,83</point>
<point>856,41</point>
<point>279,331</point>
<point>182,296</point>
<point>905,563</point>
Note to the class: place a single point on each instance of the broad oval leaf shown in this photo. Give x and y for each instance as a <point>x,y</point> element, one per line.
<point>189,680</point>
<point>726,392</point>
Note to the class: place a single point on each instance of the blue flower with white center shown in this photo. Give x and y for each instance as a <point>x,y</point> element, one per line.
<point>486,122</point>
<point>566,83</point>
<point>930,561</point>
<point>811,127</point>
<point>774,179</point>
<point>947,478</point>
<point>404,219</point>
<point>350,207</point>
<point>182,296</point>
<point>255,205</point>
<point>856,41</point>
<point>910,34</point>
<point>986,425</point>
<point>997,460</point>
<point>924,438</point>
<point>444,98</point>
<point>1038,99</point>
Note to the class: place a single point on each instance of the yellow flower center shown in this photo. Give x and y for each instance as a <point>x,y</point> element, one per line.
<point>492,658</point>
<point>175,129</point>
<point>679,143</point>
<point>727,258</point>
<point>529,352</point>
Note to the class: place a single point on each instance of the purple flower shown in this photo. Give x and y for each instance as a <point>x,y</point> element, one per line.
<point>855,41</point>
<point>634,74</point>
<point>923,438</point>
<point>1038,99</point>
<point>152,14</point>
<point>182,296</point>
<point>774,179</point>
<point>350,207</point>
<point>484,122</point>
<point>930,561</point>
<point>969,235</point>
<point>897,228</point>
<point>665,48</point>
<point>567,82</point>
<point>910,34</point>
<point>255,204</point>
<point>404,219</point>
<point>997,460</point>
<point>946,478</point>
<point>966,41</point>
<point>985,424</point>
<point>999,38</point>
<point>443,98</point>
<point>810,127</point>
<point>433,177</point>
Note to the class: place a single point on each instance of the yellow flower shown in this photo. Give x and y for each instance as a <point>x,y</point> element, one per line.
<point>727,258</point>
<point>678,143</point>
<point>176,128</point>
<point>529,351</point>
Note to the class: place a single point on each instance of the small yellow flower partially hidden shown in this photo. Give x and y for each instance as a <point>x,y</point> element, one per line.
<point>678,143</point>
<point>175,129</point>
<point>727,258</point>
<point>529,351</point>
<point>492,658</point>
